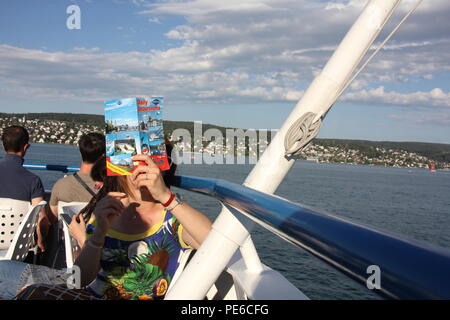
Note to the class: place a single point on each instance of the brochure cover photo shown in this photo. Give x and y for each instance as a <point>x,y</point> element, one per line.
<point>134,126</point>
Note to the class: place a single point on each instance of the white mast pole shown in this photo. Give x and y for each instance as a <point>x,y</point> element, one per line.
<point>302,125</point>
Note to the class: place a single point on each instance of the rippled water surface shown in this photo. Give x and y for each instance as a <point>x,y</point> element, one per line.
<point>412,202</point>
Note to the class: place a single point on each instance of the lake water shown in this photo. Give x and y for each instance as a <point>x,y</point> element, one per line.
<point>412,202</point>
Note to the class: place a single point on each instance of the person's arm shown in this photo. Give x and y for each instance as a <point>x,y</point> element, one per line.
<point>89,258</point>
<point>106,211</point>
<point>196,225</point>
<point>53,203</point>
<point>77,229</point>
<point>37,194</point>
<point>54,211</point>
<point>42,226</point>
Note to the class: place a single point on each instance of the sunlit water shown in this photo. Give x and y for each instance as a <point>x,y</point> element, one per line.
<point>412,202</point>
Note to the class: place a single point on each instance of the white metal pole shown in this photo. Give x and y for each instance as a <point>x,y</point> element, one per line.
<point>250,257</point>
<point>273,166</point>
<point>228,232</point>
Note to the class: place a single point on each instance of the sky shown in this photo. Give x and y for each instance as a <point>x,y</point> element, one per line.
<point>123,114</point>
<point>236,63</point>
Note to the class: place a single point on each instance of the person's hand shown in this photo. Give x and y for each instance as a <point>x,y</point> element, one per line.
<point>41,243</point>
<point>150,176</point>
<point>107,210</point>
<point>77,229</point>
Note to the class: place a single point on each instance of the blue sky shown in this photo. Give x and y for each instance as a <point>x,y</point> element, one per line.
<point>237,63</point>
<point>122,115</point>
<point>110,25</point>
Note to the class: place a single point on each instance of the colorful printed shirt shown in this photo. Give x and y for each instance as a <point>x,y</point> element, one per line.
<point>141,266</point>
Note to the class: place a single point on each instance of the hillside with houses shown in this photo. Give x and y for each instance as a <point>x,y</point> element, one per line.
<point>64,128</point>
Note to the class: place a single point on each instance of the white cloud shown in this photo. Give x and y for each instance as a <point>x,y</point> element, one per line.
<point>300,35</point>
<point>154,20</point>
<point>419,118</point>
<point>436,97</point>
<point>242,51</point>
<point>91,75</point>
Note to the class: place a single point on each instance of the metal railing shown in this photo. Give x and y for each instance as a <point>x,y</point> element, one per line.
<point>50,167</point>
<point>409,269</point>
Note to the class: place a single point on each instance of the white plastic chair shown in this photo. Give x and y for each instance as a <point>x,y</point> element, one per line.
<point>70,244</point>
<point>8,225</point>
<point>21,239</point>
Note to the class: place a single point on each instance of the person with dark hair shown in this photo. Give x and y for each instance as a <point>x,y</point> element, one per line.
<point>77,228</point>
<point>92,147</point>
<point>136,229</point>
<point>98,172</point>
<point>17,182</point>
<point>80,187</point>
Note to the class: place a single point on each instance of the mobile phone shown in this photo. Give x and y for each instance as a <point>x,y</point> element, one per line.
<point>66,218</point>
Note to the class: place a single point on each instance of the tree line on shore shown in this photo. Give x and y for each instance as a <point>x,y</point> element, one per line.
<point>434,151</point>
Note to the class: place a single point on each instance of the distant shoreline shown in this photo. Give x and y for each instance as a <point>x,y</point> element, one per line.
<point>247,157</point>
<point>66,128</point>
<point>98,119</point>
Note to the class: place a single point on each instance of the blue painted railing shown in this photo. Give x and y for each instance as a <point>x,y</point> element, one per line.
<point>51,167</point>
<point>409,269</point>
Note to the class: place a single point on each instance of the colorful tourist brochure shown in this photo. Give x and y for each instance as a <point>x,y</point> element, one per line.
<point>134,126</point>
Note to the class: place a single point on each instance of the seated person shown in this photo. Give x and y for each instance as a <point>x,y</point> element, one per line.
<point>79,187</point>
<point>17,182</point>
<point>77,227</point>
<point>135,233</point>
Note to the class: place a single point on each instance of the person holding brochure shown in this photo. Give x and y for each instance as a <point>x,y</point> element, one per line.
<point>135,232</point>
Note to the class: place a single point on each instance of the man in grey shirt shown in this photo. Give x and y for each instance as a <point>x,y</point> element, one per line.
<point>79,187</point>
